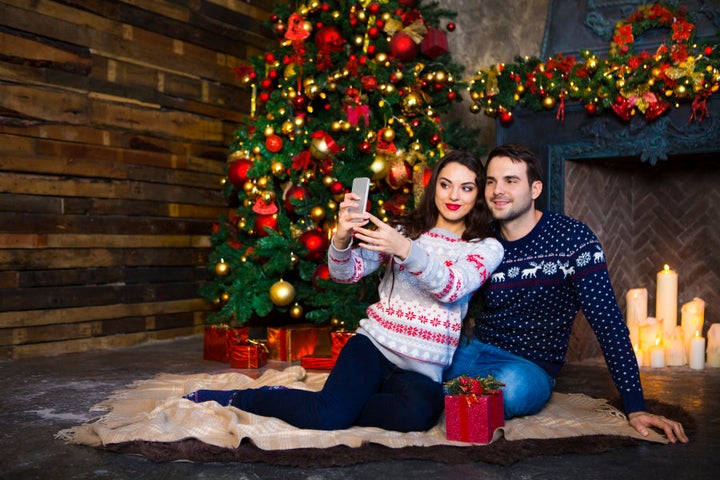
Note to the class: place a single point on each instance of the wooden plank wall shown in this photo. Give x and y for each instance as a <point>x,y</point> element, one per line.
<point>115,118</point>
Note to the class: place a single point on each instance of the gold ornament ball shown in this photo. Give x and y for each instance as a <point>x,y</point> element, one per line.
<point>282,293</point>
<point>548,102</point>
<point>379,167</point>
<point>287,127</point>
<point>225,297</point>
<point>591,64</point>
<point>268,196</point>
<point>296,311</point>
<point>319,148</point>
<point>269,131</point>
<point>293,259</point>
<point>475,108</point>
<point>222,268</point>
<point>317,213</point>
<point>388,134</point>
<point>277,168</point>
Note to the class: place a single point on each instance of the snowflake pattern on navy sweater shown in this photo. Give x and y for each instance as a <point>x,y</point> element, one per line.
<point>535,294</point>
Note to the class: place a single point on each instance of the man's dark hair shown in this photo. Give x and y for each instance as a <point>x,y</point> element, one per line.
<point>519,153</point>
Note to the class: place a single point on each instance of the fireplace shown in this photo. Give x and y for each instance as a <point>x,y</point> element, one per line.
<point>649,190</point>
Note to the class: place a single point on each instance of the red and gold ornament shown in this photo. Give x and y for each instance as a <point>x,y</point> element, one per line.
<point>316,244</point>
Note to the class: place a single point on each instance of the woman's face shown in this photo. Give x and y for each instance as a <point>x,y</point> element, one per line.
<point>455,196</point>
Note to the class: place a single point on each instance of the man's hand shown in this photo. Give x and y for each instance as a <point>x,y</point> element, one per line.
<point>642,421</point>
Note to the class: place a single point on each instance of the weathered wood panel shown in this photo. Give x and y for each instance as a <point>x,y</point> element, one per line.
<point>115,118</point>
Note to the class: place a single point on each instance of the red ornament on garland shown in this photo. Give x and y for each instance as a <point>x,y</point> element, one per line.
<point>435,139</point>
<point>336,188</point>
<point>399,174</point>
<point>403,47</point>
<point>590,108</point>
<point>450,27</point>
<point>237,171</point>
<point>316,243</point>
<point>506,117</point>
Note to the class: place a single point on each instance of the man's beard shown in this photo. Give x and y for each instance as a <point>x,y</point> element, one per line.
<point>512,213</point>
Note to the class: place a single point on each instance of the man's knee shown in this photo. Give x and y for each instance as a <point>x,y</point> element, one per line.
<point>527,389</point>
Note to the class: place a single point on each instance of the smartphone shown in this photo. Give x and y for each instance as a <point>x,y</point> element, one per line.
<point>361,188</point>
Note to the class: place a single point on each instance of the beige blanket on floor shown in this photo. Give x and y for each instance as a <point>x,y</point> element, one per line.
<point>154,410</point>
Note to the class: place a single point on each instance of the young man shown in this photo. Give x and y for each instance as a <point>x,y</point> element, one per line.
<point>553,266</point>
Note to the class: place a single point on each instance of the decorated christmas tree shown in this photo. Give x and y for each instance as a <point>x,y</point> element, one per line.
<point>352,89</point>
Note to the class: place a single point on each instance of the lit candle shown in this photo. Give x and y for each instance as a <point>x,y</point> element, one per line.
<point>692,319</point>
<point>666,298</point>
<point>675,349</point>
<point>697,352</point>
<point>638,355</point>
<point>657,355</point>
<point>650,331</point>
<point>636,312</point>
<point>713,349</point>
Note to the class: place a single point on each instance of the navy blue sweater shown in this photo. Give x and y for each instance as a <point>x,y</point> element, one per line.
<point>535,294</point>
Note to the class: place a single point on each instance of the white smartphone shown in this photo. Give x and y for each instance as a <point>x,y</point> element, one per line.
<point>361,188</point>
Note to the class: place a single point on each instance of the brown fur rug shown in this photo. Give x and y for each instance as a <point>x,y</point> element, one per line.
<point>501,452</point>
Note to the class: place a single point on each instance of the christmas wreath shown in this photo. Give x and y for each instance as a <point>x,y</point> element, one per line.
<point>475,386</point>
<point>625,82</point>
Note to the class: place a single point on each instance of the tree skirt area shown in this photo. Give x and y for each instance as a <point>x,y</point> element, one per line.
<point>151,418</point>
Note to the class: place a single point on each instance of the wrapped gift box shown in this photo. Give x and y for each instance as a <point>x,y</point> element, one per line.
<point>218,338</point>
<point>291,343</point>
<point>434,44</point>
<point>472,418</point>
<point>253,354</point>
<point>338,341</point>
<point>317,363</point>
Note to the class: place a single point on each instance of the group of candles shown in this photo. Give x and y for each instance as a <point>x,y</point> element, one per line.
<point>659,341</point>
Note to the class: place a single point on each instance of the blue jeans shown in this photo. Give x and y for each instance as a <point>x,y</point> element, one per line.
<point>527,386</point>
<point>363,389</point>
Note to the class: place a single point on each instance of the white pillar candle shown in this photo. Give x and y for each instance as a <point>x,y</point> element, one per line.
<point>713,348</point>
<point>692,319</point>
<point>666,298</point>
<point>657,355</point>
<point>636,301</point>
<point>697,352</point>
<point>650,331</point>
<point>675,348</point>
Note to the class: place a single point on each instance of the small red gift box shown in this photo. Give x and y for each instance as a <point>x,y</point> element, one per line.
<point>291,343</point>
<point>218,338</point>
<point>434,44</point>
<point>318,363</point>
<point>471,418</point>
<point>253,354</point>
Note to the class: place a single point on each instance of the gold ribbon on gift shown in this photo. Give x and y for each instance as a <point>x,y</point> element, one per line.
<point>258,343</point>
<point>415,30</point>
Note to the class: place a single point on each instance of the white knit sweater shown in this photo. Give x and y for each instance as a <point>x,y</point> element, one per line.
<point>417,321</point>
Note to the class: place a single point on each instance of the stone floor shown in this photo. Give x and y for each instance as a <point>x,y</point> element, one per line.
<point>44,395</point>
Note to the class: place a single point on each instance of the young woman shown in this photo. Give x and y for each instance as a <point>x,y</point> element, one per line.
<point>389,374</point>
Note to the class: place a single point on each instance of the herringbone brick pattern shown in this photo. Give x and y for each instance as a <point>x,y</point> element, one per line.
<point>645,217</point>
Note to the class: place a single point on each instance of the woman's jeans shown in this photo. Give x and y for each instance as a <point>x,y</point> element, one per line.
<point>363,389</point>
<point>527,386</point>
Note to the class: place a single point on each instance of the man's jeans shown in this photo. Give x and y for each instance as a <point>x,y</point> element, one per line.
<point>527,386</point>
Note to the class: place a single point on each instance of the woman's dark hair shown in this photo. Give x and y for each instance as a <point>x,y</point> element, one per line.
<point>424,216</point>
<point>520,153</point>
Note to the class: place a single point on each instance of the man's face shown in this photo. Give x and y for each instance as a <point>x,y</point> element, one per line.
<point>508,193</point>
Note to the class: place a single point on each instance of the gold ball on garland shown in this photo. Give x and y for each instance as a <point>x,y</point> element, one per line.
<point>591,64</point>
<point>287,127</point>
<point>548,102</point>
<point>262,182</point>
<point>216,300</point>
<point>296,311</point>
<point>225,297</point>
<point>268,196</point>
<point>336,322</point>
<point>379,167</point>
<point>269,130</point>
<point>277,168</point>
<point>293,259</point>
<point>282,293</point>
<point>412,103</point>
<point>681,91</point>
<point>475,108</point>
<point>319,148</point>
<point>222,268</point>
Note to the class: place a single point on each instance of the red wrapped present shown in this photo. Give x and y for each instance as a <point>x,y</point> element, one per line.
<point>311,362</point>
<point>253,354</point>
<point>291,343</point>
<point>217,340</point>
<point>434,44</point>
<point>473,418</point>
<point>338,341</point>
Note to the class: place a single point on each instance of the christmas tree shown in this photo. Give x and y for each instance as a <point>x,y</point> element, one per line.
<point>352,89</point>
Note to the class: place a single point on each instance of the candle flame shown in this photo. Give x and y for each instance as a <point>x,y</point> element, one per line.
<point>666,267</point>
<point>697,333</point>
<point>657,341</point>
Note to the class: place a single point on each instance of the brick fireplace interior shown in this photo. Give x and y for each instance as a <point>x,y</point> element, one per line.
<point>647,216</point>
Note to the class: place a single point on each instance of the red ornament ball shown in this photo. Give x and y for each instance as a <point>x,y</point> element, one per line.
<point>590,108</point>
<point>274,143</point>
<point>267,84</point>
<point>300,102</point>
<point>450,27</point>
<point>298,193</point>
<point>237,171</point>
<point>316,243</point>
<point>336,188</point>
<point>329,39</point>
<point>264,97</point>
<point>322,272</point>
<point>403,47</point>
<point>262,221</point>
<point>365,147</point>
<point>434,139</point>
